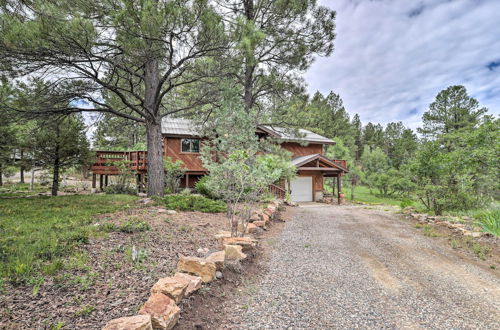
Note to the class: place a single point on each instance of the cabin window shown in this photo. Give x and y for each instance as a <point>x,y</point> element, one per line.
<point>190,145</point>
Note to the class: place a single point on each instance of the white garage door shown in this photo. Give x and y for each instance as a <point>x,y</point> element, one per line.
<point>301,188</point>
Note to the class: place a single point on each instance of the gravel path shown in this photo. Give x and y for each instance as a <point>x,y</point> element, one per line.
<point>350,267</point>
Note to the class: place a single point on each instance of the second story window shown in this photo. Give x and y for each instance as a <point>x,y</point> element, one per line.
<point>190,145</point>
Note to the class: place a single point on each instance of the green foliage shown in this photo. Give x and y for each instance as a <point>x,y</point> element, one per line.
<point>489,222</point>
<point>199,203</point>
<point>406,203</point>
<point>123,185</point>
<point>134,226</point>
<point>116,188</point>
<point>173,174</point>
<point>37,233</point>
<point>453,110</point>
<point>202,188</point>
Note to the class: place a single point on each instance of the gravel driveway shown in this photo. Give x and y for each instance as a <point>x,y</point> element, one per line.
<point>351,267</point>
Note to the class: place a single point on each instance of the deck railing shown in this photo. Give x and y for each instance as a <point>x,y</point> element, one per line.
<point>341,162</point>
<point>277,191</point>
<point>134,160</point>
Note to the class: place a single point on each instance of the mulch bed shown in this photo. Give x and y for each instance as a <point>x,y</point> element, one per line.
<point>113,285</point>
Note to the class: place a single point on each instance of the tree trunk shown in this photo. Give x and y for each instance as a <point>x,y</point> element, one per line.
<point>156,173</point>
<point>21,170</point>
<point>32,179</point>
<point>1,176</point>
<point>249,65</point>
<point>55,175</point>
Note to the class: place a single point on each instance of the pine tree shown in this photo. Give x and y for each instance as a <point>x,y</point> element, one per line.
<point>452,110</point>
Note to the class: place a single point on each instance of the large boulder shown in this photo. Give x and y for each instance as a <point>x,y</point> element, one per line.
<point>195,282</point>
<point>137,322</point>
<point>174,287</point>
<point>198,266</point>
<point>217,258</point>
<point>247,243</point>
<point>234,252</point>
<point>163,311</point>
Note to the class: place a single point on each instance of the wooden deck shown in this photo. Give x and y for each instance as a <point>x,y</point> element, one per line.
<point>136,161</point>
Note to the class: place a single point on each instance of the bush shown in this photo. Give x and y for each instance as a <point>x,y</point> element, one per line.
<point>489,222</point>
<point>202,188</point>
<point>120,189</point>
<point>200,203</point>
<point>406,203</point>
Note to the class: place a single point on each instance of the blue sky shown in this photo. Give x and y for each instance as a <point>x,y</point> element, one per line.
<point>392,57</point>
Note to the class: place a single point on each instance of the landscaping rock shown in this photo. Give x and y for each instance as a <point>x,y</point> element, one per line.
<point>174,287</point>
<point>194,282</point>
<point>264,217</point>
<point>138,322</point>
<point>171,212</point>
<point>146,201</point>
<point>161,210</point>
<point>218,275</point>
<point>222,234</point>
<point>217,258</point>
<point>247,243</point>
<point>251,228</point>
<point>234,252</point>
<point>259,223</point>
<point>255,217</point>
<point>198,266</point>
<point>163,311</point>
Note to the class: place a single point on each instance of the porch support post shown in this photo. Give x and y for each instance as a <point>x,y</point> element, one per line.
<point>106,180</point>
<point>187,180</point>
<point>101,181</point>
<point>339,187</point>
<point>94,179</point>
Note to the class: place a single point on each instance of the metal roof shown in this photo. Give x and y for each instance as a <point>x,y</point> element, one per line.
<point>301,159</point>
<point>181,126</point>
<point>178,126</point>
<point>304,135</point>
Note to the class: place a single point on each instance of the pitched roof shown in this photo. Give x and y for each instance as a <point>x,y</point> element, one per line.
<point>299,161</point>
<point>178,126</point>
<point>186,127</point>
<point>304,135</point>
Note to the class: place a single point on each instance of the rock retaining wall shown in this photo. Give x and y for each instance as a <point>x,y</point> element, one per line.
<point>160,311</point>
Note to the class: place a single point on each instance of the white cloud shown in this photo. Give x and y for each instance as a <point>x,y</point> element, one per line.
<point>393,56</point>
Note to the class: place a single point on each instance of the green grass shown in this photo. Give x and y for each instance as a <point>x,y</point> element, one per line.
<point>38,234</point>
<point>362,194</point>
<point>187,202</point>
<point>21,189</point>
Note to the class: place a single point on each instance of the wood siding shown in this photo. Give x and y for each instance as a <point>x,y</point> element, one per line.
<point>299,150</point>
<point>172,148</point>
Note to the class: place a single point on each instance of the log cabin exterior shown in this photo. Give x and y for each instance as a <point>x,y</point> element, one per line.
<point>181,141</point>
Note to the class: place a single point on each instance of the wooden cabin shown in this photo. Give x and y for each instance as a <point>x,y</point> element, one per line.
<point>181,141</point>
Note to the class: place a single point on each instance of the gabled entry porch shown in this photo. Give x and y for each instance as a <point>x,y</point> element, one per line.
<point>311,170</point>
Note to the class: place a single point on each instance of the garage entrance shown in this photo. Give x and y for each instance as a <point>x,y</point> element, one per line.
<point>301,189</point>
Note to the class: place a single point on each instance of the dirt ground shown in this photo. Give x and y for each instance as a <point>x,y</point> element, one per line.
<point>221,304</point>
<point>105,283</point>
